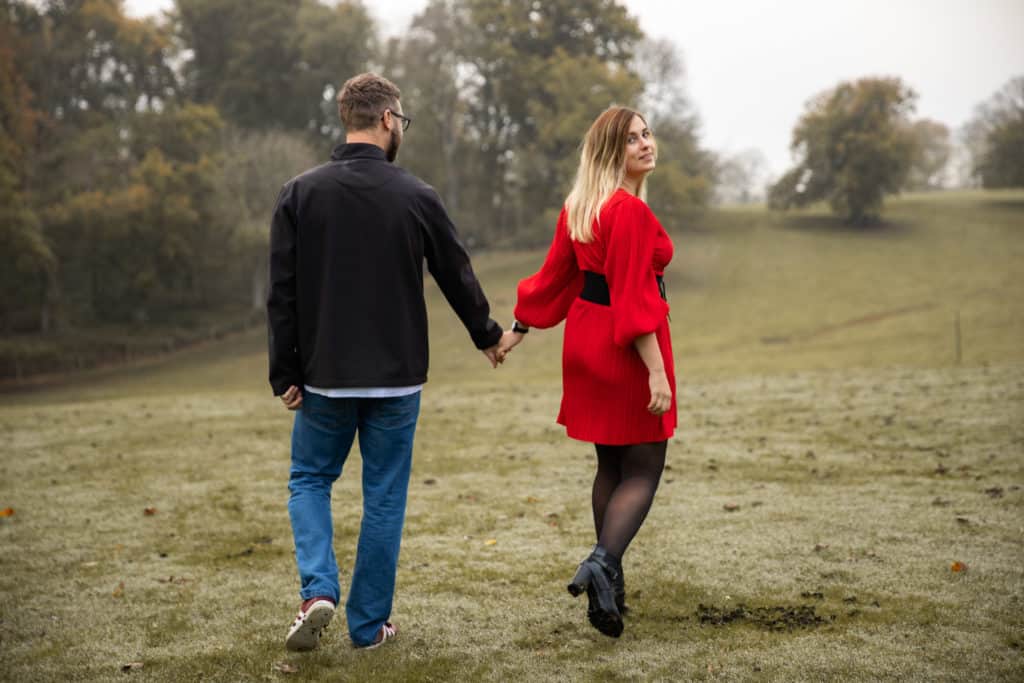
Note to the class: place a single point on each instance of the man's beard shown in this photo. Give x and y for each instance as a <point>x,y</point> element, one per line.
<point>392,151</point>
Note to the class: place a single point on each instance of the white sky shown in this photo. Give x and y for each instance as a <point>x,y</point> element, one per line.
<point>752,64</point>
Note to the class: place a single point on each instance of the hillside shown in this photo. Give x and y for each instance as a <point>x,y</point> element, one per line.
<point>833,462</point>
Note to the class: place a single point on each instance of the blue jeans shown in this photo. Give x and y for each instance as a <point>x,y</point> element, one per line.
<point>321,440</point>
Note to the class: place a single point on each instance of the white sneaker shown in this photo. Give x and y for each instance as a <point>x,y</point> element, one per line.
<point>387,632</point>
<point>313,617</point>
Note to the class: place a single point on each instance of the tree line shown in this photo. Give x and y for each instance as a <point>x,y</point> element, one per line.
<point>142,157</point>
<point>858,142</point>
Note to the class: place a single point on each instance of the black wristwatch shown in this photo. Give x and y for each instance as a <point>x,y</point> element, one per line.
<point>519,327</point>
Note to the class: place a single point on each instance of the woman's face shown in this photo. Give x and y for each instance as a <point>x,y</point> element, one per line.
<point>641,152</point>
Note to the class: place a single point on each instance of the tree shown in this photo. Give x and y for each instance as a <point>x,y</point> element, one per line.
<point>427,69</point>
<point>932,152</point>
<point>274,63</point>
<point>682,183</point>
<point>997,133</point>
<point>150,246</point>
<point>741,177</point>
<point>256,165</point>
<point>335,43</point>
<point>855,145</point>
<point>244,59</point>
<point>501,53</point>
<point>27,281</point>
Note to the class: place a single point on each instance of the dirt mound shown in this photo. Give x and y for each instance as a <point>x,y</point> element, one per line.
<point>775,618</point>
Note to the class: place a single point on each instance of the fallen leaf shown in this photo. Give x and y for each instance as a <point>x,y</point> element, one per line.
<point>531,499</point>
<point>6,512</point>
<point>429,482</point>
<point>90,564</point>
<point>731,507</point>
<point>149,512</point>
<point>131,666</point>
<point>818,547</point>
<point>286,668</point>
<point>957,567</point>
<point>490,541</point>
<point>119,591</point>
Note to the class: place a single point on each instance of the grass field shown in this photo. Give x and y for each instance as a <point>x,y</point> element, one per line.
<point>834,459</point>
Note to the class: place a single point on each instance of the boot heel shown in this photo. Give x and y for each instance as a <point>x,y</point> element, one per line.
<point>579,583</point>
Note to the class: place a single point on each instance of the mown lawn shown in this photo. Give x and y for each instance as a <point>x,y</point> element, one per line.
<point>834,461</point>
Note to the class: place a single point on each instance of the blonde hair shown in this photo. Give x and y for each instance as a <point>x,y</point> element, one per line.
<point>601,171</point>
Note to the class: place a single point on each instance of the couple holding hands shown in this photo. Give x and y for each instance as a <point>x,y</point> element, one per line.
<point>348,345</point>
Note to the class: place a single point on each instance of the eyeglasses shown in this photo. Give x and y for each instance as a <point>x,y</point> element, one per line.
<point>406,121</point>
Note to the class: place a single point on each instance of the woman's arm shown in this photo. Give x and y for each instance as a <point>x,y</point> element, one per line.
<point>650,353</point>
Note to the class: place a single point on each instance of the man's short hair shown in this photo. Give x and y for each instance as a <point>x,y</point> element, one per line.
<point>364,98</point>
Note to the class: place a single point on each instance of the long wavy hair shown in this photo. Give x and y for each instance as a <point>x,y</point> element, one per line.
<point>601,171</point>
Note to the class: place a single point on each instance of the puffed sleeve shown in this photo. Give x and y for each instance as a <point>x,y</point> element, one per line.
<point>637,307</point>
<point>543,299</point>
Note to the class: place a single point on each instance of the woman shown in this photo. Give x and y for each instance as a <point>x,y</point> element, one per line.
<point>602,275</point>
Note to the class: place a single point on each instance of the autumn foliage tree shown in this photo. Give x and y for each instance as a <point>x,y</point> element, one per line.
<point>854,145</point>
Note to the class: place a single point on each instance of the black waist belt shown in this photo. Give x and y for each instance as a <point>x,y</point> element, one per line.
<point>595,288</point>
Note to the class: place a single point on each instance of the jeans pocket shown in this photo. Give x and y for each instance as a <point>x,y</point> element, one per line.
<point>399,412</point>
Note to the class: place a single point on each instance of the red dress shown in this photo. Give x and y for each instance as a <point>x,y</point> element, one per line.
<point>605,388</point>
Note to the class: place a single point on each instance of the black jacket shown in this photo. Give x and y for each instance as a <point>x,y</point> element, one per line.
<point>347,244</point>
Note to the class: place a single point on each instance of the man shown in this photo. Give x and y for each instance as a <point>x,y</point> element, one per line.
<point>348,347</point>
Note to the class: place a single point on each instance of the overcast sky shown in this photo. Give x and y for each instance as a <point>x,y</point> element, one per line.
<point>752,64</point>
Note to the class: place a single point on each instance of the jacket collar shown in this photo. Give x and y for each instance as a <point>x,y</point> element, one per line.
<point>357,150</point>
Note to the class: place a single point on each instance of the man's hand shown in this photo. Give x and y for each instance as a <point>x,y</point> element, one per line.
<point>292,398</point>
<point>492,355</point>
<point>509,341</point>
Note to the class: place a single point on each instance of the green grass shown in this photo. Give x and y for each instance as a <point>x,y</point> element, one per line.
<point>819,393</point>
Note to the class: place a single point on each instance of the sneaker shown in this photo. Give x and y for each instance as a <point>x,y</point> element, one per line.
<point>313,617</point>
<point>386,632</point>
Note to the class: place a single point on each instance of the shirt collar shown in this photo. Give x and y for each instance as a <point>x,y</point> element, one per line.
<point>357,150</point>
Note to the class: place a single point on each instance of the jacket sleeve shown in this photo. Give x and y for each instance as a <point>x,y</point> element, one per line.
<point>637,306</point>
<point>544,298</point>
<point>282,317</point>
<point>448,262</point>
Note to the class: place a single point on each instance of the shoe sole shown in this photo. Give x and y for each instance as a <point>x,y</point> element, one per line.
<point>608,623</point>
<point>306,635</point>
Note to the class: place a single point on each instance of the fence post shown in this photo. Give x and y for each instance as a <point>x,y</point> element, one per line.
<point>956,337</point>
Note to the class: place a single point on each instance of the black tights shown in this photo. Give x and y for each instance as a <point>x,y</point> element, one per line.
<point>624,486</point>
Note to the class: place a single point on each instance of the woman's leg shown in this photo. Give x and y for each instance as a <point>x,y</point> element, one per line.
<point>605,481</point>
<point>640,468</point>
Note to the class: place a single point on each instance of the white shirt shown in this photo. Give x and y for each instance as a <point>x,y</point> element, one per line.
<point>365,392</point>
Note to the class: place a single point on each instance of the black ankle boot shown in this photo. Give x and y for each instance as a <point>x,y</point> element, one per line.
<point>598,575</point>
<point>620,592</point>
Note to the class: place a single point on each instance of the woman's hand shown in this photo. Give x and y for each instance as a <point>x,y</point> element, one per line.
<point>509,341</point>
<point>661,392</point>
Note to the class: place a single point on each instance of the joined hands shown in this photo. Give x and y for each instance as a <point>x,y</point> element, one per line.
<point>497,353</point>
